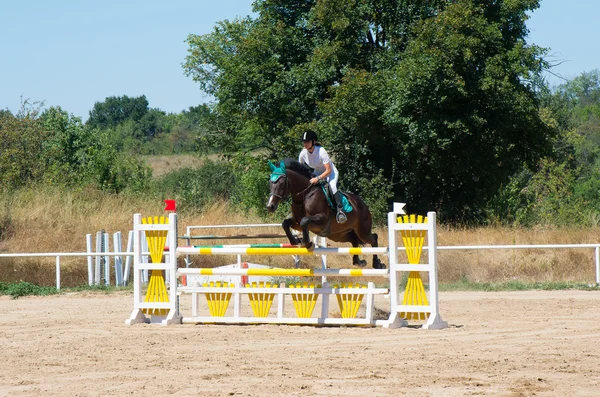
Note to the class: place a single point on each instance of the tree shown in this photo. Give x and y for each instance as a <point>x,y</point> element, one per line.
<point>21,146</point>
<point>433,98</point>
<point>114,110</point>
<point>66,138</point>
<point>564,189</point>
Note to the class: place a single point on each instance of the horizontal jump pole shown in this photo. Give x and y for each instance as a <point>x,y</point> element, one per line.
<point>282,245</point>
<point>232,237</point>
<point>280,251</point>
<point>283,272</point>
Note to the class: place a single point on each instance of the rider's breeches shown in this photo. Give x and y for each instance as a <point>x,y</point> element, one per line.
<point>333,179</point>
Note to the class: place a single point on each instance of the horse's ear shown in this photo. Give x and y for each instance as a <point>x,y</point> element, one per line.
<point>282,165</point>
<point>272,166</point>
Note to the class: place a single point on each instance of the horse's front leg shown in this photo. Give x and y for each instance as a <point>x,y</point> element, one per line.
<point>305,222</point>
<point>287,224</point>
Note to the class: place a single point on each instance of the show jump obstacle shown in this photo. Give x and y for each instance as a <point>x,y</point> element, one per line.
<point>161,303</point>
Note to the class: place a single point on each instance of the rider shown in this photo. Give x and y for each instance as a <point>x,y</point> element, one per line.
<point>317,158</point>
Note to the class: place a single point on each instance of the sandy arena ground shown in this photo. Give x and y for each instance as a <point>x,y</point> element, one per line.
<point>498,344</point>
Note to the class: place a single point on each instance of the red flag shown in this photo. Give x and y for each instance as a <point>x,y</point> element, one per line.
<point>170,205</point>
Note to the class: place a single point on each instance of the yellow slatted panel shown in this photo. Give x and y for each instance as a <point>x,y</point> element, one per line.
<point>349,303</point>
<point>413,242</point>
<point>304,303</point>
<point>157,290</point>
<point>218,302</point>
<point>261,302</point>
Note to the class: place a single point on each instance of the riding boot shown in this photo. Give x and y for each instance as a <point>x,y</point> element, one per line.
<point>340,217</point>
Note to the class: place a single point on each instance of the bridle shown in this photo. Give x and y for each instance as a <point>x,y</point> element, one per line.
<point>287,183</point>
<point>287,186</point>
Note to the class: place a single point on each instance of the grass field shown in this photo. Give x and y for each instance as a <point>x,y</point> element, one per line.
<point>52,220</point>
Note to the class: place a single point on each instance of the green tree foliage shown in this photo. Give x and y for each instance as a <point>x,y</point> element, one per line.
<point>76,155</point>
<point>105,166</point>
<point>197,188</point>
<point>144,130</point>
<point>431,98</point>
<point>195,130</point>
<point>54,147</point>
<point>21,147</point>
<point>564,190</point>
<point>66,139</point>
<point>115,110</point>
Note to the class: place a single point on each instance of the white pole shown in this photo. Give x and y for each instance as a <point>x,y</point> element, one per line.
<point>173,297</point>
<point>189,243</point>
<point>106,247</point>
<point>128,258</point>
<point>118,259</point>
<point>598,265</point>
<point>137,255</point>
<point>58,272</point>
<point>432,252</point>
<point>88,246</point>
<point>393,261</point>
<point>325,302</point>
<point>324,259</point>
<point>97,270</point>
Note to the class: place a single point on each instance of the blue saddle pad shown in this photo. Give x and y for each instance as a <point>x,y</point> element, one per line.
<point>346,206</point>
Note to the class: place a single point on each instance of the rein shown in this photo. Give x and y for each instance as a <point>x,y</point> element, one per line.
<point>308,187</point>
<point>287,185</point>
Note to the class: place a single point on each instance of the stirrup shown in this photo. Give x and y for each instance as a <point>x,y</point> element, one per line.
<point>341,217</point>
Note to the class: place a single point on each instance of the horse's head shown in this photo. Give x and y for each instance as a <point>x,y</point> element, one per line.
<point>280,186</point>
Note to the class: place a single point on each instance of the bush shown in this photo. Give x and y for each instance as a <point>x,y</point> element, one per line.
<point>21,149</point>
<point>252,187</point>
<point>195,188</point>
<point>23,288</point>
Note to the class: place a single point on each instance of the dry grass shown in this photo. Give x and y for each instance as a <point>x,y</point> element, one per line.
<point>51,220</point>
<point>162,165</point>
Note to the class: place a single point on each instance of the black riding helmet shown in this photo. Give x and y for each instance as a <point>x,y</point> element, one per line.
<point>309,135</point>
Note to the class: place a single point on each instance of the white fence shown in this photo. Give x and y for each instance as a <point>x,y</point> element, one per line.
<point>128,255</point>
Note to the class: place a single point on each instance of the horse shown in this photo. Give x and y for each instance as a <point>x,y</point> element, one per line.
<point>311,212</point>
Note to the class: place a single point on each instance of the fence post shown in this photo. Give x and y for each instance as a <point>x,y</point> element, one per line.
<point>97,270</point>
<point>117,246</point>
<point>106,248</point>
<point>88,247</point>
<point>58,272</point>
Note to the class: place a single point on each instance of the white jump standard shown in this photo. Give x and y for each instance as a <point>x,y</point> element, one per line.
<point>161,304</point>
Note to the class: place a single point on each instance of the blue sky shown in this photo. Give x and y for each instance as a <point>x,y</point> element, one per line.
<point>73,53</point>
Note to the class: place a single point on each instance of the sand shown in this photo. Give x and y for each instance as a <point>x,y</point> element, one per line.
<point>542,343</point>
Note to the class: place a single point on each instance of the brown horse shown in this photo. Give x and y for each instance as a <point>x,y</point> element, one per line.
<point>310,210</point>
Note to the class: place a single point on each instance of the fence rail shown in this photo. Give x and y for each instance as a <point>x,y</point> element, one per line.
<point>90,255</point>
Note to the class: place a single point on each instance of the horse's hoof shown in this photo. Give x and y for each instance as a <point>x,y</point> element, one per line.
<point>310,246</point>
<point>360,263</point>
<point>379,265</point>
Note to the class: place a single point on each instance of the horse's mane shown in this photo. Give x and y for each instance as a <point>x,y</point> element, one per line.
<point>299,167</point>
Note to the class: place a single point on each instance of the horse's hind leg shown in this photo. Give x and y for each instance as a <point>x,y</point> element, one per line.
<point>376,262</point>
<point>354,240</point>
<point>372,239</point>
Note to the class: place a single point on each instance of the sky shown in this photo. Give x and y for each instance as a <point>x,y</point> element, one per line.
<point>74,53</point>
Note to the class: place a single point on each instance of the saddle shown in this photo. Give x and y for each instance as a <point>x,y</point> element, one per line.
<point>346,206</point>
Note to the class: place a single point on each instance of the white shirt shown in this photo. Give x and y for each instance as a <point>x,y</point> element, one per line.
<point>317,160</point>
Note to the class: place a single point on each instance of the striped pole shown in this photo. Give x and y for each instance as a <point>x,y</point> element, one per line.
<point>280,251</point>
<point>247,246</point>
<point>283,272</point>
